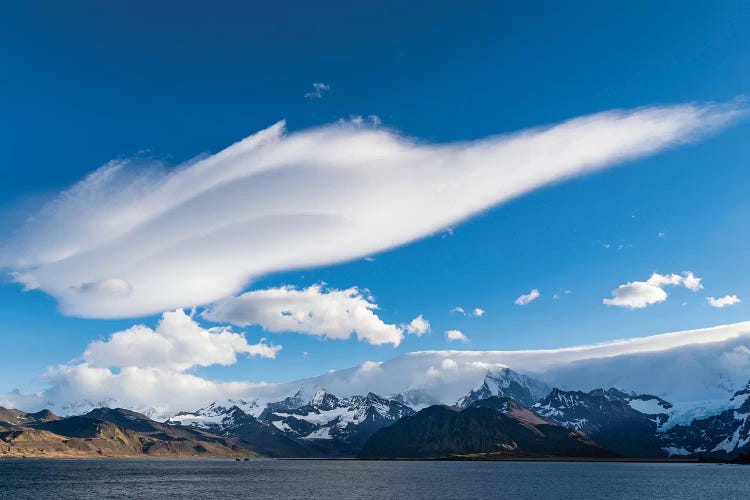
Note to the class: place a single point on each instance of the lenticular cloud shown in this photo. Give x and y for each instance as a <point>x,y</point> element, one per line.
<point>130,240</point>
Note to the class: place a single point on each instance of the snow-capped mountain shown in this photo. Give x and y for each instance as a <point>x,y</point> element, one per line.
<point>219,414</point>
<point>505,382</point>
<point>346,422</point>
<point>710,365</point>
<point>628,424</point>
<point>324,424</point>
<point>724,434</point>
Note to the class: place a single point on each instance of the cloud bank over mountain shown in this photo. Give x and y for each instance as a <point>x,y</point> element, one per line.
<point>690,368</point>
<point>133,239</point>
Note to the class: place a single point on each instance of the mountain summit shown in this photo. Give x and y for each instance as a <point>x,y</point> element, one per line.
<point>507,383</point>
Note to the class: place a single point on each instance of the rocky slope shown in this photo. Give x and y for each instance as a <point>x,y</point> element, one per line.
<point>107,432</point>
<point>495,426</point>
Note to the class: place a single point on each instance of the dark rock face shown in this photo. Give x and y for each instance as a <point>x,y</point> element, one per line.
<point>494,426</point>
<point>609,418</point>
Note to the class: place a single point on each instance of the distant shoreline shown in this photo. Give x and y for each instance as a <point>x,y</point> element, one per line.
<point>354,459</point>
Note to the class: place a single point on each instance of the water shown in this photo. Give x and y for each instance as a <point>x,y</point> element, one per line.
<point>294,479</point>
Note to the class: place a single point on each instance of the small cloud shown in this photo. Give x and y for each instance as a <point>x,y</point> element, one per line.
<point>639,294</point>
<point>305,354</point>
<point>319,88</point>
<point>369,259</point>
<point>660,234</point>
<point>456,336</point>
<point>724,301</point>
<point>527,298</point>
<point>476,312</point>
<point>418,326</point>
<point>558,295</point>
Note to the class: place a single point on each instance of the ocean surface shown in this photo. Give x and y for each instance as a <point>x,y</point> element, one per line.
<point>303,479</point>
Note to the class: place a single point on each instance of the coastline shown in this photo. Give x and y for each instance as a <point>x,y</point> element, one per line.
<point>64,456</point>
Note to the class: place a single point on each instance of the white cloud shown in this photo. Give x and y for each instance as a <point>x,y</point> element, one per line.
<point>456,336</point>
<point>334,314</point>
<point>639,294</point>
<point>159,392</point>
<point>318,89</point>
<point>558,295</point>
<point>418,326</point>
<point>711,363</point>
<point>724,301</point>
<point>522,300</point>
<point>178,343</point>
<point>145,369</point>
<point>477,312</point>
<point>204,230</point>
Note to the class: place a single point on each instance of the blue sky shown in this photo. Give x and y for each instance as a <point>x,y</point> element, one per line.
<point>85,84</point>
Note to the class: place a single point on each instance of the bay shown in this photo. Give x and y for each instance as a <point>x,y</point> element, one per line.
<point>165,479</point>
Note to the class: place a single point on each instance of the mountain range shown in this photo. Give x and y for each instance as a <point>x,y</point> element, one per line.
<point>507,414</point>
<point>106,432</point>
<point>623,423</point>
<point>697,371</point>
<point>678,394</point>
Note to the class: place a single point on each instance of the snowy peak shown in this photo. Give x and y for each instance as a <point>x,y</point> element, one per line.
<point>345,422</point>
<point>335,425</point>
<point>219,414</point>
<point>324,400</point>
<point>507,383</point>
